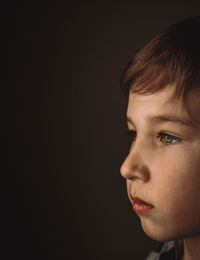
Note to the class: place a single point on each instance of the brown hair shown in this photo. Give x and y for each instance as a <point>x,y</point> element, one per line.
<point>172,57</point>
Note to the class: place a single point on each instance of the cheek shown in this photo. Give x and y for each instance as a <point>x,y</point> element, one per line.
<point>177,169</point>
<point>174,189</point>
<point>178,185</point>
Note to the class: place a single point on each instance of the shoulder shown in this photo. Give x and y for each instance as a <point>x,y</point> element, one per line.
<point>164,251</point>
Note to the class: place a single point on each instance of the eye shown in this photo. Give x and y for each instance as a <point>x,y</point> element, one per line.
<point>132,133</point>
<point>168,139</point>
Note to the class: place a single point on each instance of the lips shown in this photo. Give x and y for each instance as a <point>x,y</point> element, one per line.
<point>140,205</point>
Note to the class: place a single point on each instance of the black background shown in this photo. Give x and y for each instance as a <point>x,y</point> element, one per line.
<point>63,196</point>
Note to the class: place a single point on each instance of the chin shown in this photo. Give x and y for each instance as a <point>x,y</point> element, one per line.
<point>157,233</point>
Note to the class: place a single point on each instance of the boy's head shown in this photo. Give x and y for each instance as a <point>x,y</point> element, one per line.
<point>162,168</point>
<point>172,57</point>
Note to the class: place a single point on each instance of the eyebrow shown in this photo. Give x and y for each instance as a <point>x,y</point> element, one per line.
<point>168,118</point>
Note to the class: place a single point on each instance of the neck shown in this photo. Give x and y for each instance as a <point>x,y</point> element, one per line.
<point>191,248</point>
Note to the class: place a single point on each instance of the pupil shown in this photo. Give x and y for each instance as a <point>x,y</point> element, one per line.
<point>167,139</point>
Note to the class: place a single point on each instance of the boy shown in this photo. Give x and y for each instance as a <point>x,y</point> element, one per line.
<point>162,169</point>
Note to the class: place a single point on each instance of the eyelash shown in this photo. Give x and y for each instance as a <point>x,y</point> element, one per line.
<point>161,136</point>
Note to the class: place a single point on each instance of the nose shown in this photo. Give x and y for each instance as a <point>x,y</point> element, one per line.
<point>134,166</point>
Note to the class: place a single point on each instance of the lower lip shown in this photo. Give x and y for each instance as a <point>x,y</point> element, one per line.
<point>141,207</point>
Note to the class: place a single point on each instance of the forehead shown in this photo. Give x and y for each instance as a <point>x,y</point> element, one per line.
<point>163,102</point>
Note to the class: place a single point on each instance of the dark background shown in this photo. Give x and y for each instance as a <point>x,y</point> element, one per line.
<point>63,196</point>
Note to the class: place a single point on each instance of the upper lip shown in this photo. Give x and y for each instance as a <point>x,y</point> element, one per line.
<point>137,199</point>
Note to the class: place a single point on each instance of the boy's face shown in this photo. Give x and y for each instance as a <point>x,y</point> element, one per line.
<point>163,164</point>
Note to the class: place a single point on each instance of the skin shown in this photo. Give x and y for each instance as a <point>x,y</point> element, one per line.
<point>165,171</point>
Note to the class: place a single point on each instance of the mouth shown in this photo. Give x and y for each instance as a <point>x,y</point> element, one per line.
<point>139,205</point>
